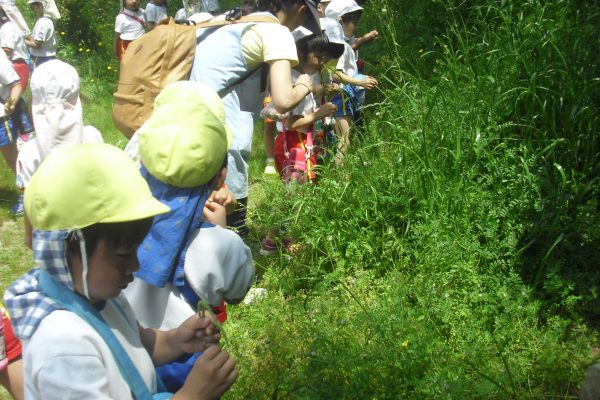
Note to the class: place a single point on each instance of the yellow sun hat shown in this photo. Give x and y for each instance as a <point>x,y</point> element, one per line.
<point>184,142</point>
<point>87,184</point>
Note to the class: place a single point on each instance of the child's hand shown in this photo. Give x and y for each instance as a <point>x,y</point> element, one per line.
<point>369,37</point>
<point>326,110</point>
<point>369,83</point>
<point>271,113</point>
<point>332,88</point>
<point>213,373</point>
<point>215,213</point>
<point>9,106</point>
<point>196,334</point>
<point>224,198</point>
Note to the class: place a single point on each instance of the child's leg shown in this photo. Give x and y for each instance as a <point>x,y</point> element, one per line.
<point>270,131</point>
<point>342,133</point>
<point>12,379</point>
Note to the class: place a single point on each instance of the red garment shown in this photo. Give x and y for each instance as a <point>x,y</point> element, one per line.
<point>13,345</point>
<point>22,69</point>
<point>121,47</point>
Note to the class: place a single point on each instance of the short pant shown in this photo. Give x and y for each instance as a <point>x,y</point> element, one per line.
<point>350,100</point>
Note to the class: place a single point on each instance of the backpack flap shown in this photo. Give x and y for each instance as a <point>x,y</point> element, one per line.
<point>157,58</point>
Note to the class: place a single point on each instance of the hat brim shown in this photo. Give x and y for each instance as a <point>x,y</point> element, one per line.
<point>312,21</point>
<point>146,209</point>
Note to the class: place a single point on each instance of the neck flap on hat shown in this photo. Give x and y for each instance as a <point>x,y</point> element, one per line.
<point>27,304</point>
<point>162,253</point>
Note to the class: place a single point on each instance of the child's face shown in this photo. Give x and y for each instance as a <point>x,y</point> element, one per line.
<point>38,9</point>
<point>110,270</point>
<point>350,24</point>
<point>314,62</point>
<point>132,5</point>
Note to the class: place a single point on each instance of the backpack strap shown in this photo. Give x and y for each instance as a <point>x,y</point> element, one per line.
<point>133,17</point>
<point>74,303</point>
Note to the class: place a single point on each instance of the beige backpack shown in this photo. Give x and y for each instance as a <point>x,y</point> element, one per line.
<point>154,60</point>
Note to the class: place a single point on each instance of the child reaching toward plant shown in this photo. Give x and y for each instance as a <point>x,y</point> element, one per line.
<point>297,128</point>
<point>87,228</point>
<point>352,97</point>
<point>130,24</point>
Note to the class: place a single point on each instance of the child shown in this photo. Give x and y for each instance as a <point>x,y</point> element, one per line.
<point>188,254</point>
<point>352,97</point>
<point>297,129</point>
<point>87,227</point>
<point>42,42</point>
<point>129,25</point>
<point>14,118</point>
<point>349,8</point>
<point>156,11</point>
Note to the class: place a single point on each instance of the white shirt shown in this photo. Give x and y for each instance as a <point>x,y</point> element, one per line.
<point>12,38</point>
<point>67,359</point>
<point>306,106</point>
<point>155,13</point>
<point>347,62</point>
<point>127,26</point>
<point>44,34</point>
<point>8,78</point>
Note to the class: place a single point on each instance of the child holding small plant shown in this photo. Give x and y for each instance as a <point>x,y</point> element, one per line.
<point>87,228</point>
<point>352,98</point>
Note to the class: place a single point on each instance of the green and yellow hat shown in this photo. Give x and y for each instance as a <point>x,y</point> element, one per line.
<point>87,184</point>
<point>185,140</point>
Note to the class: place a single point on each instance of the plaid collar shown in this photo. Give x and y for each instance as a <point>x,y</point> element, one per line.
<point>26,303</point>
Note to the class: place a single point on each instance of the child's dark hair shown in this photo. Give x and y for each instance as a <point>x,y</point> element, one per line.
<point>319,45</point>
<point>130,233</point>
<point>352,16</point>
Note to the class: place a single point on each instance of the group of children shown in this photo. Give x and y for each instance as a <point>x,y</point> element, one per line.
<point>133,20</point>
<point>128,243</point>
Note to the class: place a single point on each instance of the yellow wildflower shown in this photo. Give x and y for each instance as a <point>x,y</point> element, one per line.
<point>405,344</point>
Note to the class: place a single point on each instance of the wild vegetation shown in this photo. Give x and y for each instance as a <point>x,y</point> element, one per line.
<point>455,253</point>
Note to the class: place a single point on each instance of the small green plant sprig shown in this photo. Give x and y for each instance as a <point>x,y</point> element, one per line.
<point>204,309</point>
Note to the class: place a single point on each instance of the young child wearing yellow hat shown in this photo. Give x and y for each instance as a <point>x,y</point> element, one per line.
<point>80,336</point>
<point>188,254</point>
